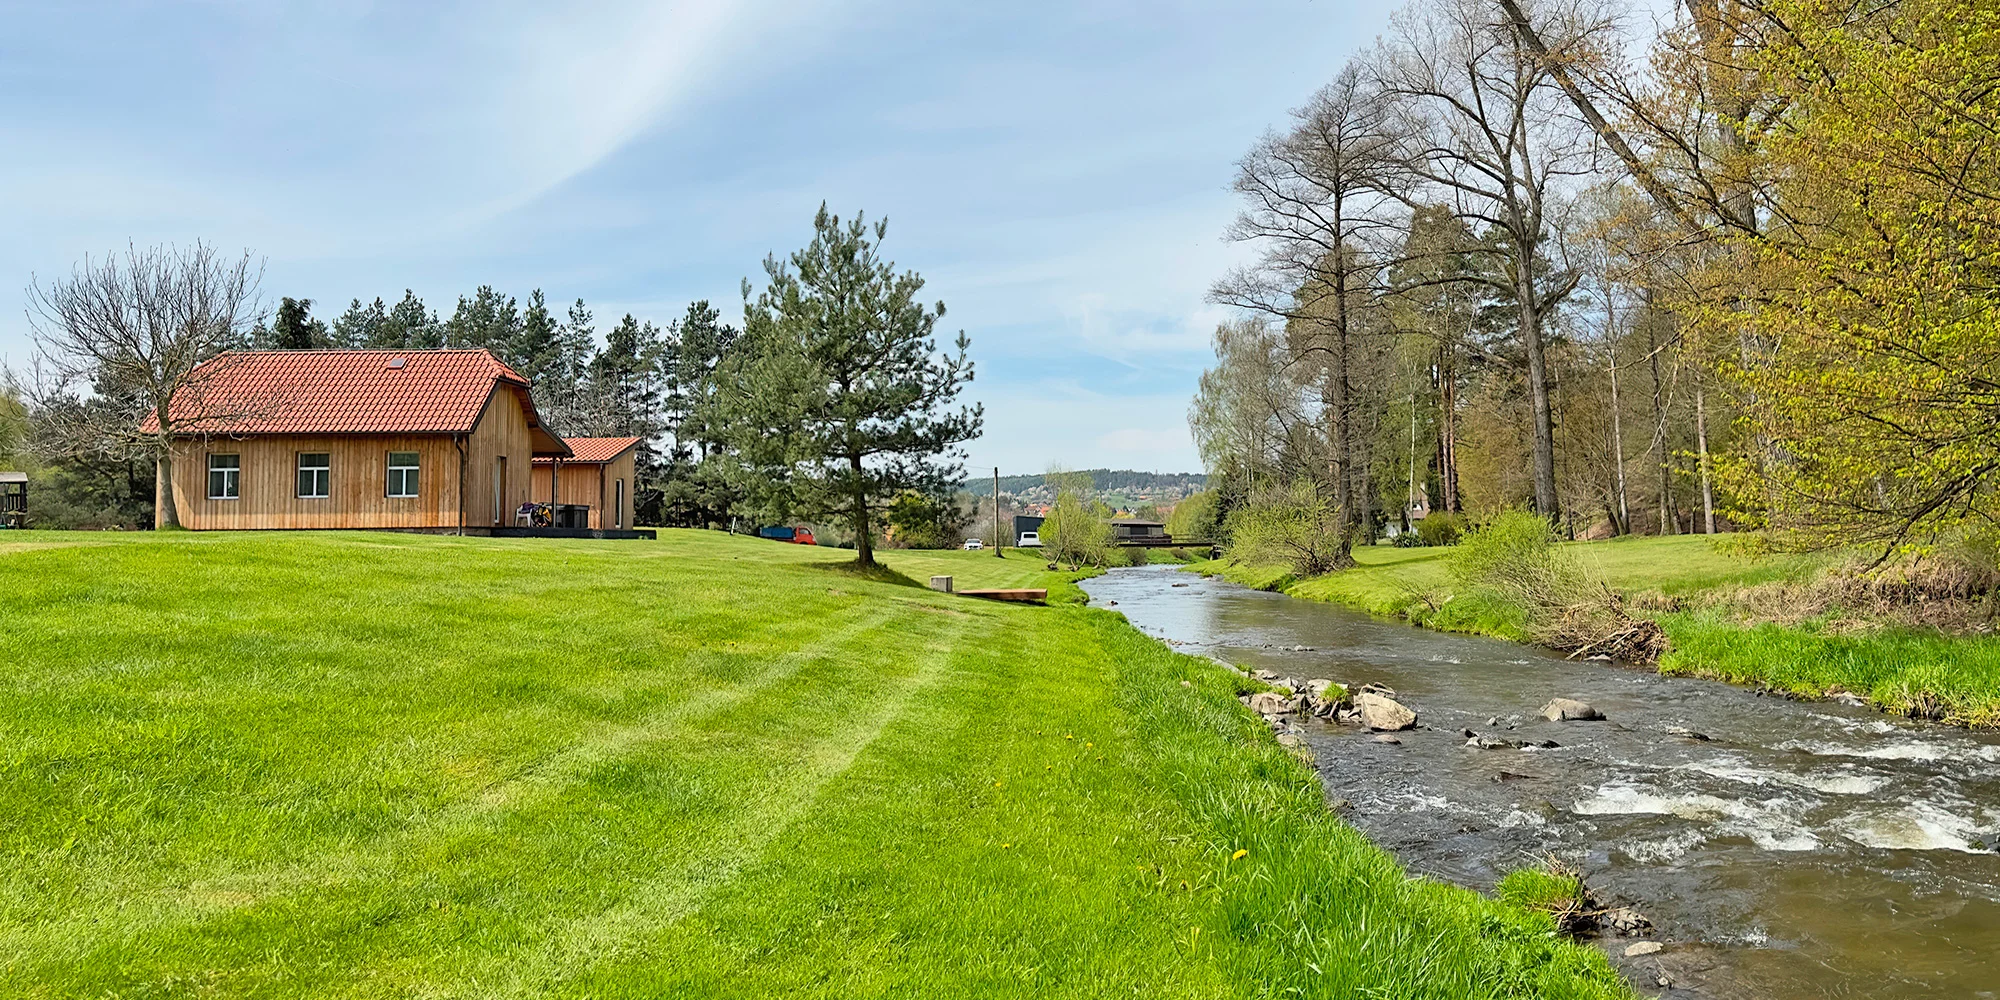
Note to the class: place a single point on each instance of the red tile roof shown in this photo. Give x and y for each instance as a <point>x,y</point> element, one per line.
<point>346,392</point>
<point>594,450</point>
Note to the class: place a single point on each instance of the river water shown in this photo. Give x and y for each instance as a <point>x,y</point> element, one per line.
<point>1804,850</point>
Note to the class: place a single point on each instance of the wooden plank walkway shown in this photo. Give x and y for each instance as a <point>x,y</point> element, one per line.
<point>1025,595</point>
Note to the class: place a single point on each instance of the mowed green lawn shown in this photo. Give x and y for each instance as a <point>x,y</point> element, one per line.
<point>375,765</point>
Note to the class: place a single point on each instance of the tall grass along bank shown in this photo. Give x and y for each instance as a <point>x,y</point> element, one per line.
<point>359,765</point>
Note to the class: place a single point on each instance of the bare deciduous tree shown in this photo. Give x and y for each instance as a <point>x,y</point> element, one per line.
<point>1315,204</point>
<point>134,328</point>
<point>1480,124</point>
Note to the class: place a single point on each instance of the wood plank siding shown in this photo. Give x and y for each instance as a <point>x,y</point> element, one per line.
<point>502,432</point>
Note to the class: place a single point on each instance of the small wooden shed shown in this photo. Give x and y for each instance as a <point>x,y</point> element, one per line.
<point>598,474</point>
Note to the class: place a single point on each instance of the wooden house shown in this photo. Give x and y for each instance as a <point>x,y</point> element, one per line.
<point>412,440</point>
<point>598,475</point>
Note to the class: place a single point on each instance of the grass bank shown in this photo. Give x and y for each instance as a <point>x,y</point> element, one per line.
<point>1910,671</point>
<point>362,765</point>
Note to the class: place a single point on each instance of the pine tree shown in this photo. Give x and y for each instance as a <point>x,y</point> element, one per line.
<point>411,326</point>
<point>360,326</point>
<point>294,329</point>
<point>487,320</point>
<point>842,401</point>
<point>536,351</point>
<point>695,479</point>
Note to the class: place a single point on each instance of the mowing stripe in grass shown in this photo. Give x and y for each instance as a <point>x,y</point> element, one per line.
<point>663,899</point>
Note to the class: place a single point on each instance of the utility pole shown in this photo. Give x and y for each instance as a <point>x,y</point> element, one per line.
<point>999,545</point>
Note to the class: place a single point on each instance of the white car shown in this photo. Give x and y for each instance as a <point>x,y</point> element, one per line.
<point>972,544</point>
<point>1030,540</point>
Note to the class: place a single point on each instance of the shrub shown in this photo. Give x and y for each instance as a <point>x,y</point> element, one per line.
<point>1515,561</point>
<point>1441,528</point>
<point>1295,526</point>
<point>1194,517</point>
<point>1078,531</point>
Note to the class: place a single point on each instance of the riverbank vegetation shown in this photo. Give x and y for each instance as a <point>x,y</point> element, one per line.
<point>312,764</point>
<point>1732,277</point>
<point>1806,625</point>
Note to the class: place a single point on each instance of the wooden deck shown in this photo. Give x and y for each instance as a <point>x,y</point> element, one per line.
<point>1024,595</point>
<point>628,533</point>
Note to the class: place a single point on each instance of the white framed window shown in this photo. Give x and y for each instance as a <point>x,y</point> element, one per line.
<point>225,477</point>
<point>402,473</point>
<point>315,474</point>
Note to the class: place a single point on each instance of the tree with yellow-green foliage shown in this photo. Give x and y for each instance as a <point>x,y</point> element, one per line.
<point>1873,293</point>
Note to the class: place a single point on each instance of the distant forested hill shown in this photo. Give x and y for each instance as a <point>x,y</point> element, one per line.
<point>1105,480</point>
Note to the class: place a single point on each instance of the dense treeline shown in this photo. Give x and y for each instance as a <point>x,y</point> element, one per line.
<point>831,403</point>
<point>1742,276</point>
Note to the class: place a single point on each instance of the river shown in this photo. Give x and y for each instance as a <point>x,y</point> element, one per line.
<point>1804,850</point>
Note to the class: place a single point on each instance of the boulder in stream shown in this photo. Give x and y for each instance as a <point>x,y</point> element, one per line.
<point>1639,948</point>
<point>1624,922</point>
<point>1381,712</point>
<point>1569,710</point>
<point>1269,703</point>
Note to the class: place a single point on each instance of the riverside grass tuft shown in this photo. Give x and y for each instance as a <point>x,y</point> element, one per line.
<point>1904,670</point>
<point>375,765</point>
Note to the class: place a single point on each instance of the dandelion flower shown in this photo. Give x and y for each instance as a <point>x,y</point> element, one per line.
<point>1239,855</point>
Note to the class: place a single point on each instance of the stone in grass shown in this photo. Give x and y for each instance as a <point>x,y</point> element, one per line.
<point>1569,710</point>
<point>1382,713</point>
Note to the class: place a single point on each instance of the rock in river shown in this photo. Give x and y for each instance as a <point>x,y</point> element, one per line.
<point>1638,948</point>
<point>1624,922</point>
<point>1381,712</point>
<point>1270,703</point>
<point>1569,710</point>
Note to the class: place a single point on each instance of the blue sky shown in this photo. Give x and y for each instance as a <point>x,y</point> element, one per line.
<point>1057,172</point>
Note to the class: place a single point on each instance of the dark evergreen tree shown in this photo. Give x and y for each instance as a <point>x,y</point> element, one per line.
<point>360,326</point>
<point>842,403</point>
<point>695,485</point>
<point>536,351</point>
<point>411,326</point>
<point>294,329</point>
<point>487,320</point>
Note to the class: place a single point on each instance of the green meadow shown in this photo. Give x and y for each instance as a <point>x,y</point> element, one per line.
<point>377,765</point>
